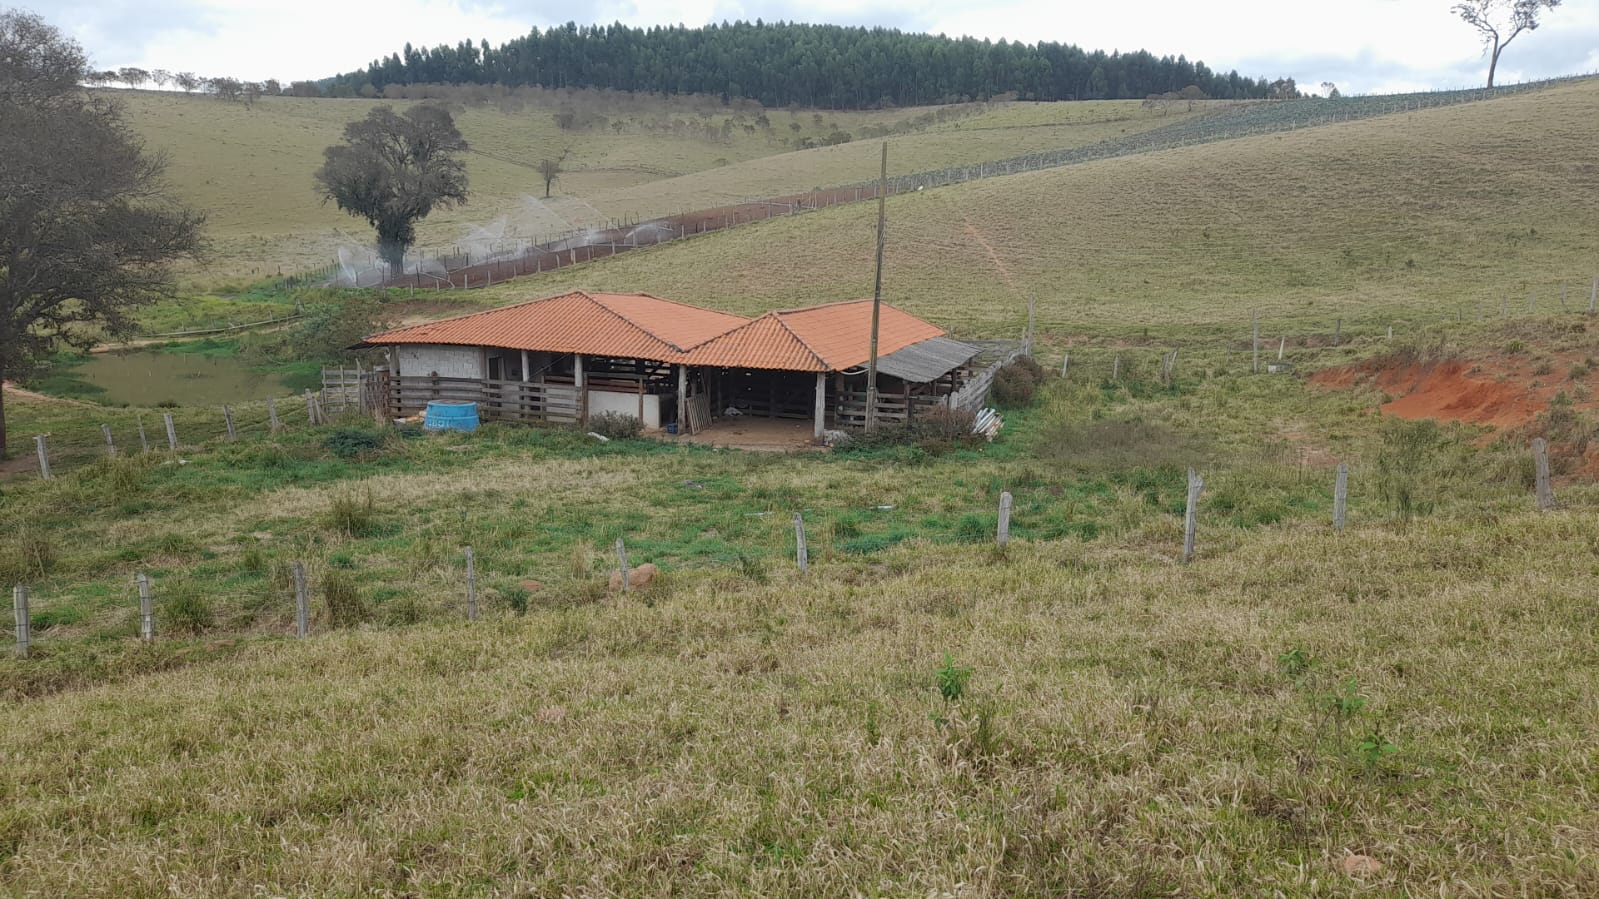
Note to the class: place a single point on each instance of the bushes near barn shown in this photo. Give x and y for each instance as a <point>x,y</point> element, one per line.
<point>1017,383</point>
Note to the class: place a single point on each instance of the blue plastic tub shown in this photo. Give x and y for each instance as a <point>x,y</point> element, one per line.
<point>448,416</point>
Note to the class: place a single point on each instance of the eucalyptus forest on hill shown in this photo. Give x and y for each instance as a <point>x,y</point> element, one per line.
<point>784,63</point>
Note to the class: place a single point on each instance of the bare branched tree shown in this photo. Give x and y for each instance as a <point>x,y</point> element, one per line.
<point>87,232</point>
<point>188,81</point>
<point>161,77</point>
<point>550,169</point>
<point>1500,21</point>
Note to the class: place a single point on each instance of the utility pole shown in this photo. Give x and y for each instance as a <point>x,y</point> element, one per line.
<point>877,295</point>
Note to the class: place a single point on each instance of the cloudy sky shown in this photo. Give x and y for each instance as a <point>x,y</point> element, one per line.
<point>1364,46</point>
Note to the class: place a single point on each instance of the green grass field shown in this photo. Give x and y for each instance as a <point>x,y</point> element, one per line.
<point>923,714</point>
<point>250,168</point>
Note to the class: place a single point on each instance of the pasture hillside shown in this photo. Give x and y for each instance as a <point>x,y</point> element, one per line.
<point>1390,219</point>
<point>250,167</point>
<point>1078,714</point>
<point>1399,708</point>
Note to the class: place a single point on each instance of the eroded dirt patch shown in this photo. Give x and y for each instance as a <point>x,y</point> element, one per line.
<point>1502,392</point>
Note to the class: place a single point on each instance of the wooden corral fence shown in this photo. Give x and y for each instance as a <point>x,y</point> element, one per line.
<point>997,354</point>
<point>343,388</point>
<point>525,401</point>
<point>891,408</point>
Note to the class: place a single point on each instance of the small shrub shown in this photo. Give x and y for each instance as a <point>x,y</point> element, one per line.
<point>354,443</point>
<point>346,607</point>
<point>945,423</point>
<point>952,678</point>
<point>972,528</point>
<point>253,561</point>
<point>186,610</point>
<point>1031,366</point>
<point>615,425</point>
<point>352,511</point>
<point>1014,386</point>
<point>1404,464</point>
<point>515,596</point>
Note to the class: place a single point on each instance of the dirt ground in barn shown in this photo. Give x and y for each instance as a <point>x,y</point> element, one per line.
<point>759,434</point>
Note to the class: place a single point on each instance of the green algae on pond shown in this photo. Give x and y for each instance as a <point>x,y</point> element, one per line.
<point>152,377</point>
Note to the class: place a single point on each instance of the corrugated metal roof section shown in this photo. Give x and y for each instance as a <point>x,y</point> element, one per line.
<point>636,326</point>
<point>834,337</point>
<point>926,361</point>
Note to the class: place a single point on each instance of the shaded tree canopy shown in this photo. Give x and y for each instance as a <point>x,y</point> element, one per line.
<point>781,63</point>
<point>393,169</point>
<point>87,232</point>
<point>1499,22</point>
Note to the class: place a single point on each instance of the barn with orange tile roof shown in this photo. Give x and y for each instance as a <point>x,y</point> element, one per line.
<point>665,361</point>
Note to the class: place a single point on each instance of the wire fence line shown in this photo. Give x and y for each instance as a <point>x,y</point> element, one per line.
<point>457,267</point>
<point>343,396</point>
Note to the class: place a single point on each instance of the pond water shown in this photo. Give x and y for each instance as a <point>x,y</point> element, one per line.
<point>150,377</point>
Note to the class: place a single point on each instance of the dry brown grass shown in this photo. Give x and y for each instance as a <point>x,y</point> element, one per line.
<point>775,740</point>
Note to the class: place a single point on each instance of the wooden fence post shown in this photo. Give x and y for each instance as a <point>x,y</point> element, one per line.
<point>1282,344</point>
<point>1116,370</point>
<point>1196,484</point>
<point>44,457</point>
<point>110,445</point>
<point>1065,365</point>
<point>801,555</point>
<point>272,414</point>
<point>144,442</point>
<point>1540,460</point>
<point>302,602</point>
<point>1338,332</point>
<point>227,416</point>
<point>1003,534</point>
<point>621,561</point>
<point>1340,496</point>
<point>19,602</point>
<point>172,432</point>
<point>146,608</point>
<point>310,407</point>
<point>471,586</point>
<point>1254,316</point>
<point>1593,297</point>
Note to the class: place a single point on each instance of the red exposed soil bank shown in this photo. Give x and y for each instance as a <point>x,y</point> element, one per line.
<point>1496,392</point>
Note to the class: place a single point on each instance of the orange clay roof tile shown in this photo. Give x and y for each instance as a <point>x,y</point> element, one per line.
<point>635,326</point>
<point>834,337</point>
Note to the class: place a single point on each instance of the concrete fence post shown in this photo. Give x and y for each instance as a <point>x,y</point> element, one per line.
<point>801,554</point>
<point>1003,532</point>
<point>146,608</point>
<point>621,562</point>
<point>19,603</point>
<point>1340,495</point>
<point>1540,460</point>
<point>302,602</point>
<point>1196,485</point>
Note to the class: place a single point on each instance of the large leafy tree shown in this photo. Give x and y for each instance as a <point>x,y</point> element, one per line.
<point>1499,22</point>
<point>395,168</point>
<point>87,232</point>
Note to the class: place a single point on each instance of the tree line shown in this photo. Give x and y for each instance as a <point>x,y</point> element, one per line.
<point>782,64</point>
<point>222,87</point>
